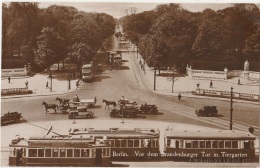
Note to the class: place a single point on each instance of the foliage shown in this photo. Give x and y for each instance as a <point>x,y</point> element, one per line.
<point>173,36</point>
<point>47,36</point>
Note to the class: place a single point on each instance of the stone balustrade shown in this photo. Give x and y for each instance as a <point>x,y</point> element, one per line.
<point>236,95</point>
<point>17,71</point>
<point>206,74</point>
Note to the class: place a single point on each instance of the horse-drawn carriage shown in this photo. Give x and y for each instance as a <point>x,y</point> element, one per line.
<point>123,101</point>
<point>87,102</point>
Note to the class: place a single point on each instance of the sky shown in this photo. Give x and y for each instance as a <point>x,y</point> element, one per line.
<point>117,9</point>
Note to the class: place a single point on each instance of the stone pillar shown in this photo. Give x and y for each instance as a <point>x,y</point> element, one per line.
<point>246,75</point>
<point>226,71</point>
<point>25,70</point>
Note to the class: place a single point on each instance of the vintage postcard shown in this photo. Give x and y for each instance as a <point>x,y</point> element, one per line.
<point>130,84</point>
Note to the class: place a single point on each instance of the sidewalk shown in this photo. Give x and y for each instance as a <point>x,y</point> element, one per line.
<point>186,85</point>
<point>37,84</point>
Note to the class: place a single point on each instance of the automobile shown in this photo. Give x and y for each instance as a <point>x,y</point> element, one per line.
<point>148,108</point>
<point>99,68</point>
<point>11,117</point>
<point>81,112</point>
<point>207,111</point>
<point>126,111</point>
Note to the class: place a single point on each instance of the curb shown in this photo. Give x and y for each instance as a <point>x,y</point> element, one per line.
<point>41,95</point>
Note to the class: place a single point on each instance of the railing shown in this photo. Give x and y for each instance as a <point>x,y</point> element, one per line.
<point>17,72</point>
<point>236,95</point>
<point>14,91</point>
<point>206,74</point>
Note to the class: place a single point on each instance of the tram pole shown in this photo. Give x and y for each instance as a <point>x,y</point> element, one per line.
<point>231,108</point>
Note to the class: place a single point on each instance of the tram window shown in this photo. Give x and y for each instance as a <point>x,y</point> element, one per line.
<point>221,144</point>
<point>169,142</point>
<point>47,152</point>
<point>208,144</point>
<point>62,152</point>
<point>246,144</point>
<point>130,143</point>
<point>117,143</point>
<point>181,144</point>
<point>252,146</point>
<point>84,152</point>
<point>40,152</point>
<point>143,143</point>
<point>14,152</point>
<point>112,142</point>
<point>24,152</point>
<point>69,152</point>
<point>123,143</point>
<point>93,153</point>
<point>227,144</point>
<point>202,144</point>
<point>136,143</point>
<point>234,144</point>
<point>195,144</point>
<point>76,153</point>
<point>156,143</point>
<point>105,152</point>
<point>32,152</point>
<point>214,144</point>
<point>188,144</point>
<point>55,153</point>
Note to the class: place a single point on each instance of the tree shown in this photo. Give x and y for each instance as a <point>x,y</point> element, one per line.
<point>48,47</point>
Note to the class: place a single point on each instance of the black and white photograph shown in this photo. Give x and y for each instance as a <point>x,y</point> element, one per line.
<point>130,83</point>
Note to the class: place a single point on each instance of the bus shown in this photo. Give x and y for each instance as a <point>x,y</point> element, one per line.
<point>65,150</point>
<point>87,73</point>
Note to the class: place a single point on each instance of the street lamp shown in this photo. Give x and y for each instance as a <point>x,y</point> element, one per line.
<point>154,87</point>
<point>231,108</point>
<point>50,76</point>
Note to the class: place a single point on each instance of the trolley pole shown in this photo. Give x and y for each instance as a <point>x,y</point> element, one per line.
<point>231,108</point>
<point>154,87</point>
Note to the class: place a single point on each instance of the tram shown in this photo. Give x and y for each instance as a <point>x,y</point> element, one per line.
<point>127,144</point>
<point>55,150</point>
<point>209,146</point>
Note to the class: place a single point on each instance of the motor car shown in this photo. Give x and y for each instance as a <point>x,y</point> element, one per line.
<point>207,111</point>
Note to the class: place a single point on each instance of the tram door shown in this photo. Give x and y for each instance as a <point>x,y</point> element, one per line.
<point>99,157</point>
<point>19,157</point>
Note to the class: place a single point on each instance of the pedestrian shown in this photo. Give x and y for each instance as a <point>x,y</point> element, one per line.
<point>95,100</point>
<point>47,84</point>
<point>140,62</point>
<point>238,81</point>
<point>9,79</point>
<point>198,84</point>
<point>77,83</point>
<point>179,97</point>
<point>26,83</point>
<point>211,84</point>
<point>110,68</point>
<point>142,66</point>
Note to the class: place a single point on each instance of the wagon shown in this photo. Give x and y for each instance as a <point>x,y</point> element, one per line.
<point>88,102</point>
<point>207,111</point>
<point>126,101</point>
<point>81,112</point>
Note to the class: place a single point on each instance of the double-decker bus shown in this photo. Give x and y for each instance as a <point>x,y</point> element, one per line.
<point>70,150</point>
<point>210,146</point>
<point>127,144</point>
<point>87,72</point>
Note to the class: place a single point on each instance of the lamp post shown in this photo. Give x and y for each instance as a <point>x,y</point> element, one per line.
<point>231,108</point>
<point>50,76</point>
<point>69,72</point>
<point>173,70</point>
<point>154,86</point>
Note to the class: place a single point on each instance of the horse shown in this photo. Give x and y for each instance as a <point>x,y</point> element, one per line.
<point>63,101</point>
<point>50,106</point>
<point>109,103</point>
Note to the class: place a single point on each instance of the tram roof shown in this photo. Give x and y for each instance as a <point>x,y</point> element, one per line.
<point>209,134</point>
<point>116,133</point>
